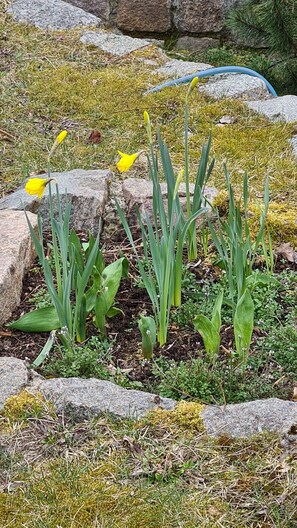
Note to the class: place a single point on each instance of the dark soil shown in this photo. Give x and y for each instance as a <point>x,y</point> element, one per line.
<point>183,343</point>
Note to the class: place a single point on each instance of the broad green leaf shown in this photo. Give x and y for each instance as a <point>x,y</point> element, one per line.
<point>216,313</point>
<point>113,311</point>
<point>111,278</point>
<point>41,320</point>
<point>210,335</point>
<point>244,325</point>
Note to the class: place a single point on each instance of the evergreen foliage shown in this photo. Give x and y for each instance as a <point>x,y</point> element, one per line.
<point>271,24</point>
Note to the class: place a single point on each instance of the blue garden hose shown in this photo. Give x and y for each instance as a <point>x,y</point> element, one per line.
<point>213,71</point>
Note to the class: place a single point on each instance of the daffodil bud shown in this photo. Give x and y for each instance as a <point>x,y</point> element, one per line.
<point>60,137</point>
<point>192,85</point>
<point>179,179</point>
<point>147,122</point>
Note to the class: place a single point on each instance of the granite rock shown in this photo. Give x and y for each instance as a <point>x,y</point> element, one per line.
<point>80,399</point>
<point>246,419</point>
<point>152,16</point>
<point>194,44</point>
<point>99,8</point>
<point>202,16</point>
<point>236,86</point>
<point>114,44</point>
<point>52,14</point>
<point>278,108</point>
<point>87,190</point>
<point>175,68</point>
<point>13,378</point>
<point>16,256</point>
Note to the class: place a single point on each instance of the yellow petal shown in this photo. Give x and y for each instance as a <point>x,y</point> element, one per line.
<point>36,186</point>
<point>61,136</point>
<point>126,161</point>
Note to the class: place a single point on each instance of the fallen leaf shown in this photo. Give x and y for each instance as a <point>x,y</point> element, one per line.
<point>286,251</point>
<point>95,137</point>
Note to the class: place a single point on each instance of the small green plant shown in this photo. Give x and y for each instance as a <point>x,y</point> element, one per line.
<point>164,237</point>
<point>147,328</point>
<point>85,361</point>
<point>79,284</point>
<point>210,329</point>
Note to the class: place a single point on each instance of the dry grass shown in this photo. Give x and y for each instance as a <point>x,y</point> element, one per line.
<point>119,474</point>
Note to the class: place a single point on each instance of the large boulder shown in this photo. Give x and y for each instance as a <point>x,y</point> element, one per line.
<point>16,256</point>
<point>13,378</point>
<point>52,14</point>
<point>80,399</point>
<point>152,16</point>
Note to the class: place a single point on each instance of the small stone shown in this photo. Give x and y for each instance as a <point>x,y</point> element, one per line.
<point>249,418</point>
<point>151,16</point>
<point>16,257</point>
<point>118,45</point>
<point>237,86</point>
<point>196,44</point>
<point>227,120</point>
<point>87,190</point>
<point>80,399</point>
<point>13,378</point>
<point>52,14</point>
<point>277,108</point>
<point>179,68</point>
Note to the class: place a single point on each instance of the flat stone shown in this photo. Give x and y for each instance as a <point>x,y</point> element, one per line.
<point>52,14</point>
<point>87,190</point>
<point>139,192</point>
<point>246,419</point>
<point>198,44</point>
<point>114,44</point>
<point>278,108</point>
<point>99,8</point>
<point>178,68</point>
<point>150,16</point>
<point>202,16</point>
<point>237,86</point>
<point>13,378</point>
<point>16,256</point>
<point>80,399</point>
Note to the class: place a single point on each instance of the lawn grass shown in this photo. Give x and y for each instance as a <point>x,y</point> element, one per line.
<point>161,471</point>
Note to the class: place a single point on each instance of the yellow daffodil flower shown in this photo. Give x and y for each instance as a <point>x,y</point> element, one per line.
<point>60,137</point>
<point>126,161</point>
<point>37,186</point>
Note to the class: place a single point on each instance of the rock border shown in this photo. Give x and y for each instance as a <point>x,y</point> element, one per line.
<point>81,399</point>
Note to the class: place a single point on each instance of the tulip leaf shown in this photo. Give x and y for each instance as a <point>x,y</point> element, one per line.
<point>41,320</point>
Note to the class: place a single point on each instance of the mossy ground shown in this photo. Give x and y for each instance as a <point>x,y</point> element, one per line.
<point>149,474</point>
<point>50,81</point>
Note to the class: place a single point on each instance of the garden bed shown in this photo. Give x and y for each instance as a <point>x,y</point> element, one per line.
<point>179,369</point>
